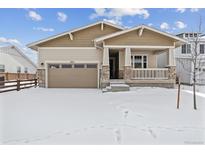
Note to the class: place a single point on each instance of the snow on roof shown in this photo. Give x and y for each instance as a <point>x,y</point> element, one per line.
<point>6,49</point>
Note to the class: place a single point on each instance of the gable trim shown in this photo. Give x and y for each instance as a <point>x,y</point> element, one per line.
<point>72,31</point>
<point>135,28</point>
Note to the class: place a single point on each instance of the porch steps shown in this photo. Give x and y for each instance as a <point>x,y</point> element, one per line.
<point>117,87</point>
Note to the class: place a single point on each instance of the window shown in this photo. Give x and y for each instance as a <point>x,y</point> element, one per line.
<point>190,35</point>
<point>195,35</point>
<point>91,65</point>
<point>66,65</point>
<point>26,70</point>
<point>186,35</point>
<point>79,66</point>
<point>202,48</point>
<point>186,49</point>
<point>18,69</point>
<point>54,66</point>
<point>139,61</point>
<point>2,68</point>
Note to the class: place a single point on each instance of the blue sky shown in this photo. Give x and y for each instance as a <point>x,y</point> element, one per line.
<point>23,26</point>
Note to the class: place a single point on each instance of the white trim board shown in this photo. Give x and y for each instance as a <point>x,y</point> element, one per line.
<point>53,48</point>
<point>138,46</point>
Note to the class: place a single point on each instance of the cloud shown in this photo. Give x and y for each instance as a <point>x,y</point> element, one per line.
<point>180,25</point>
<point>114,21</point>
<point>44,29</point>
<point>180,10</point>
<point>150,24</point>
<point>34,16</point>
<point>9,40</point>
<point>120,12</point>
<point>62,16</point>
<point>164,26</point>
<point>194,9</point>
<point>116,14</point>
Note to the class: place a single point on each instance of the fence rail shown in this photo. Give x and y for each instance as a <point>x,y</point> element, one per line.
<point>150,73</point>
<point>15,76</point>
<point>12,85</point>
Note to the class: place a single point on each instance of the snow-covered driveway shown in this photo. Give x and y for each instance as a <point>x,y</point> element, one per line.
<point>88,116</point>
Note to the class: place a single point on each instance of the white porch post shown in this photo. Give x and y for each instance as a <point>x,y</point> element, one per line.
<point>106,57</point>
<point>127,57</point>
<point>127,67</point>
<point>171,58</point>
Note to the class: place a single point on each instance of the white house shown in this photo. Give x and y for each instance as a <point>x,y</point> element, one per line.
<point>183,59</point>
<point>13,60</point>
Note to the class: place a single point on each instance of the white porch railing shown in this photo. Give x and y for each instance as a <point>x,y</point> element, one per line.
<point>150,73</point>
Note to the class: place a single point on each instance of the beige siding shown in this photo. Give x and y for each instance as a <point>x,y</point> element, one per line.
<point>82,38</point>
<point>150,55</point>
<point>148,38</point>
<point>69,55</point>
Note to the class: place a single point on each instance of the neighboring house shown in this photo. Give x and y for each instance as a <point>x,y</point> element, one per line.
<point>183,59</point>
<point>98,54</point>
<point>12,60</point>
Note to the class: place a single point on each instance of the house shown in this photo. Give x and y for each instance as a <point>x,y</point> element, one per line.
<point>183,58</point>
<point>101,53</point>
<point>13,60</point>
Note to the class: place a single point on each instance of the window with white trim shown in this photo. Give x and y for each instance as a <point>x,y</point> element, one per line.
<point>26,70</point>
<point>18,69</point>
<point>202,48</point>
<point>139,61</point>
<point>2,68</point>
<point>186,49</point>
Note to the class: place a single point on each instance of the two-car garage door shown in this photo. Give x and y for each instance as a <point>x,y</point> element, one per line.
<point>72,76</point>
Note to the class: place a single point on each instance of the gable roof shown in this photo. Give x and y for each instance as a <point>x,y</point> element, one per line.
<point>72,31</point>
<point>135,28</point>
<point>4,48</point>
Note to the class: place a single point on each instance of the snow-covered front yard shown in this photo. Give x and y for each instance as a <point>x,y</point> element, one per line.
<point>88,116</point>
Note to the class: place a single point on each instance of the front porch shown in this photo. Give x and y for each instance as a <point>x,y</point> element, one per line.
<point>137,67</point>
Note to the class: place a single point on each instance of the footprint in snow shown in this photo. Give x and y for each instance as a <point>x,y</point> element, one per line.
<point>152,133</point>
<point>118,135</point>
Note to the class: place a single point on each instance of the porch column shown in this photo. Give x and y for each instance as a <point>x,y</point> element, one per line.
<point>105,65</point>
<point>171,57</point>
<point>127,67</point>
<point>171,65</point>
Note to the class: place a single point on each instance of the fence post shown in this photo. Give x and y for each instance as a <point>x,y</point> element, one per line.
<point>35,82</point>
<point>18,75</point>
<point>18,84</point>
<point>7,76</point>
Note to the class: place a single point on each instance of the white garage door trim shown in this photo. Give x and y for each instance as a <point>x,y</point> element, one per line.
<point>72,62</point>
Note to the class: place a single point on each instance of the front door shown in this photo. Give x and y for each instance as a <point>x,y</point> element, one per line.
<point>114,65</point>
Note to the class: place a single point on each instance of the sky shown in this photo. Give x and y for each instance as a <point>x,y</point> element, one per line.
<point>23,26</point>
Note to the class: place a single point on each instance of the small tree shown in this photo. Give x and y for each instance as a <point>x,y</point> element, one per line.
<point>196,60</point>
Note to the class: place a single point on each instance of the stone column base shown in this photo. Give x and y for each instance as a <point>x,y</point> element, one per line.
<point>41,77</point>
<point>105,73</point>
<point>127,72</point>
<point>172,72</point>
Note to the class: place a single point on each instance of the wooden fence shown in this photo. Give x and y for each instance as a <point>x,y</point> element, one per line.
<point>12,85</point>
<point>14,76</point>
